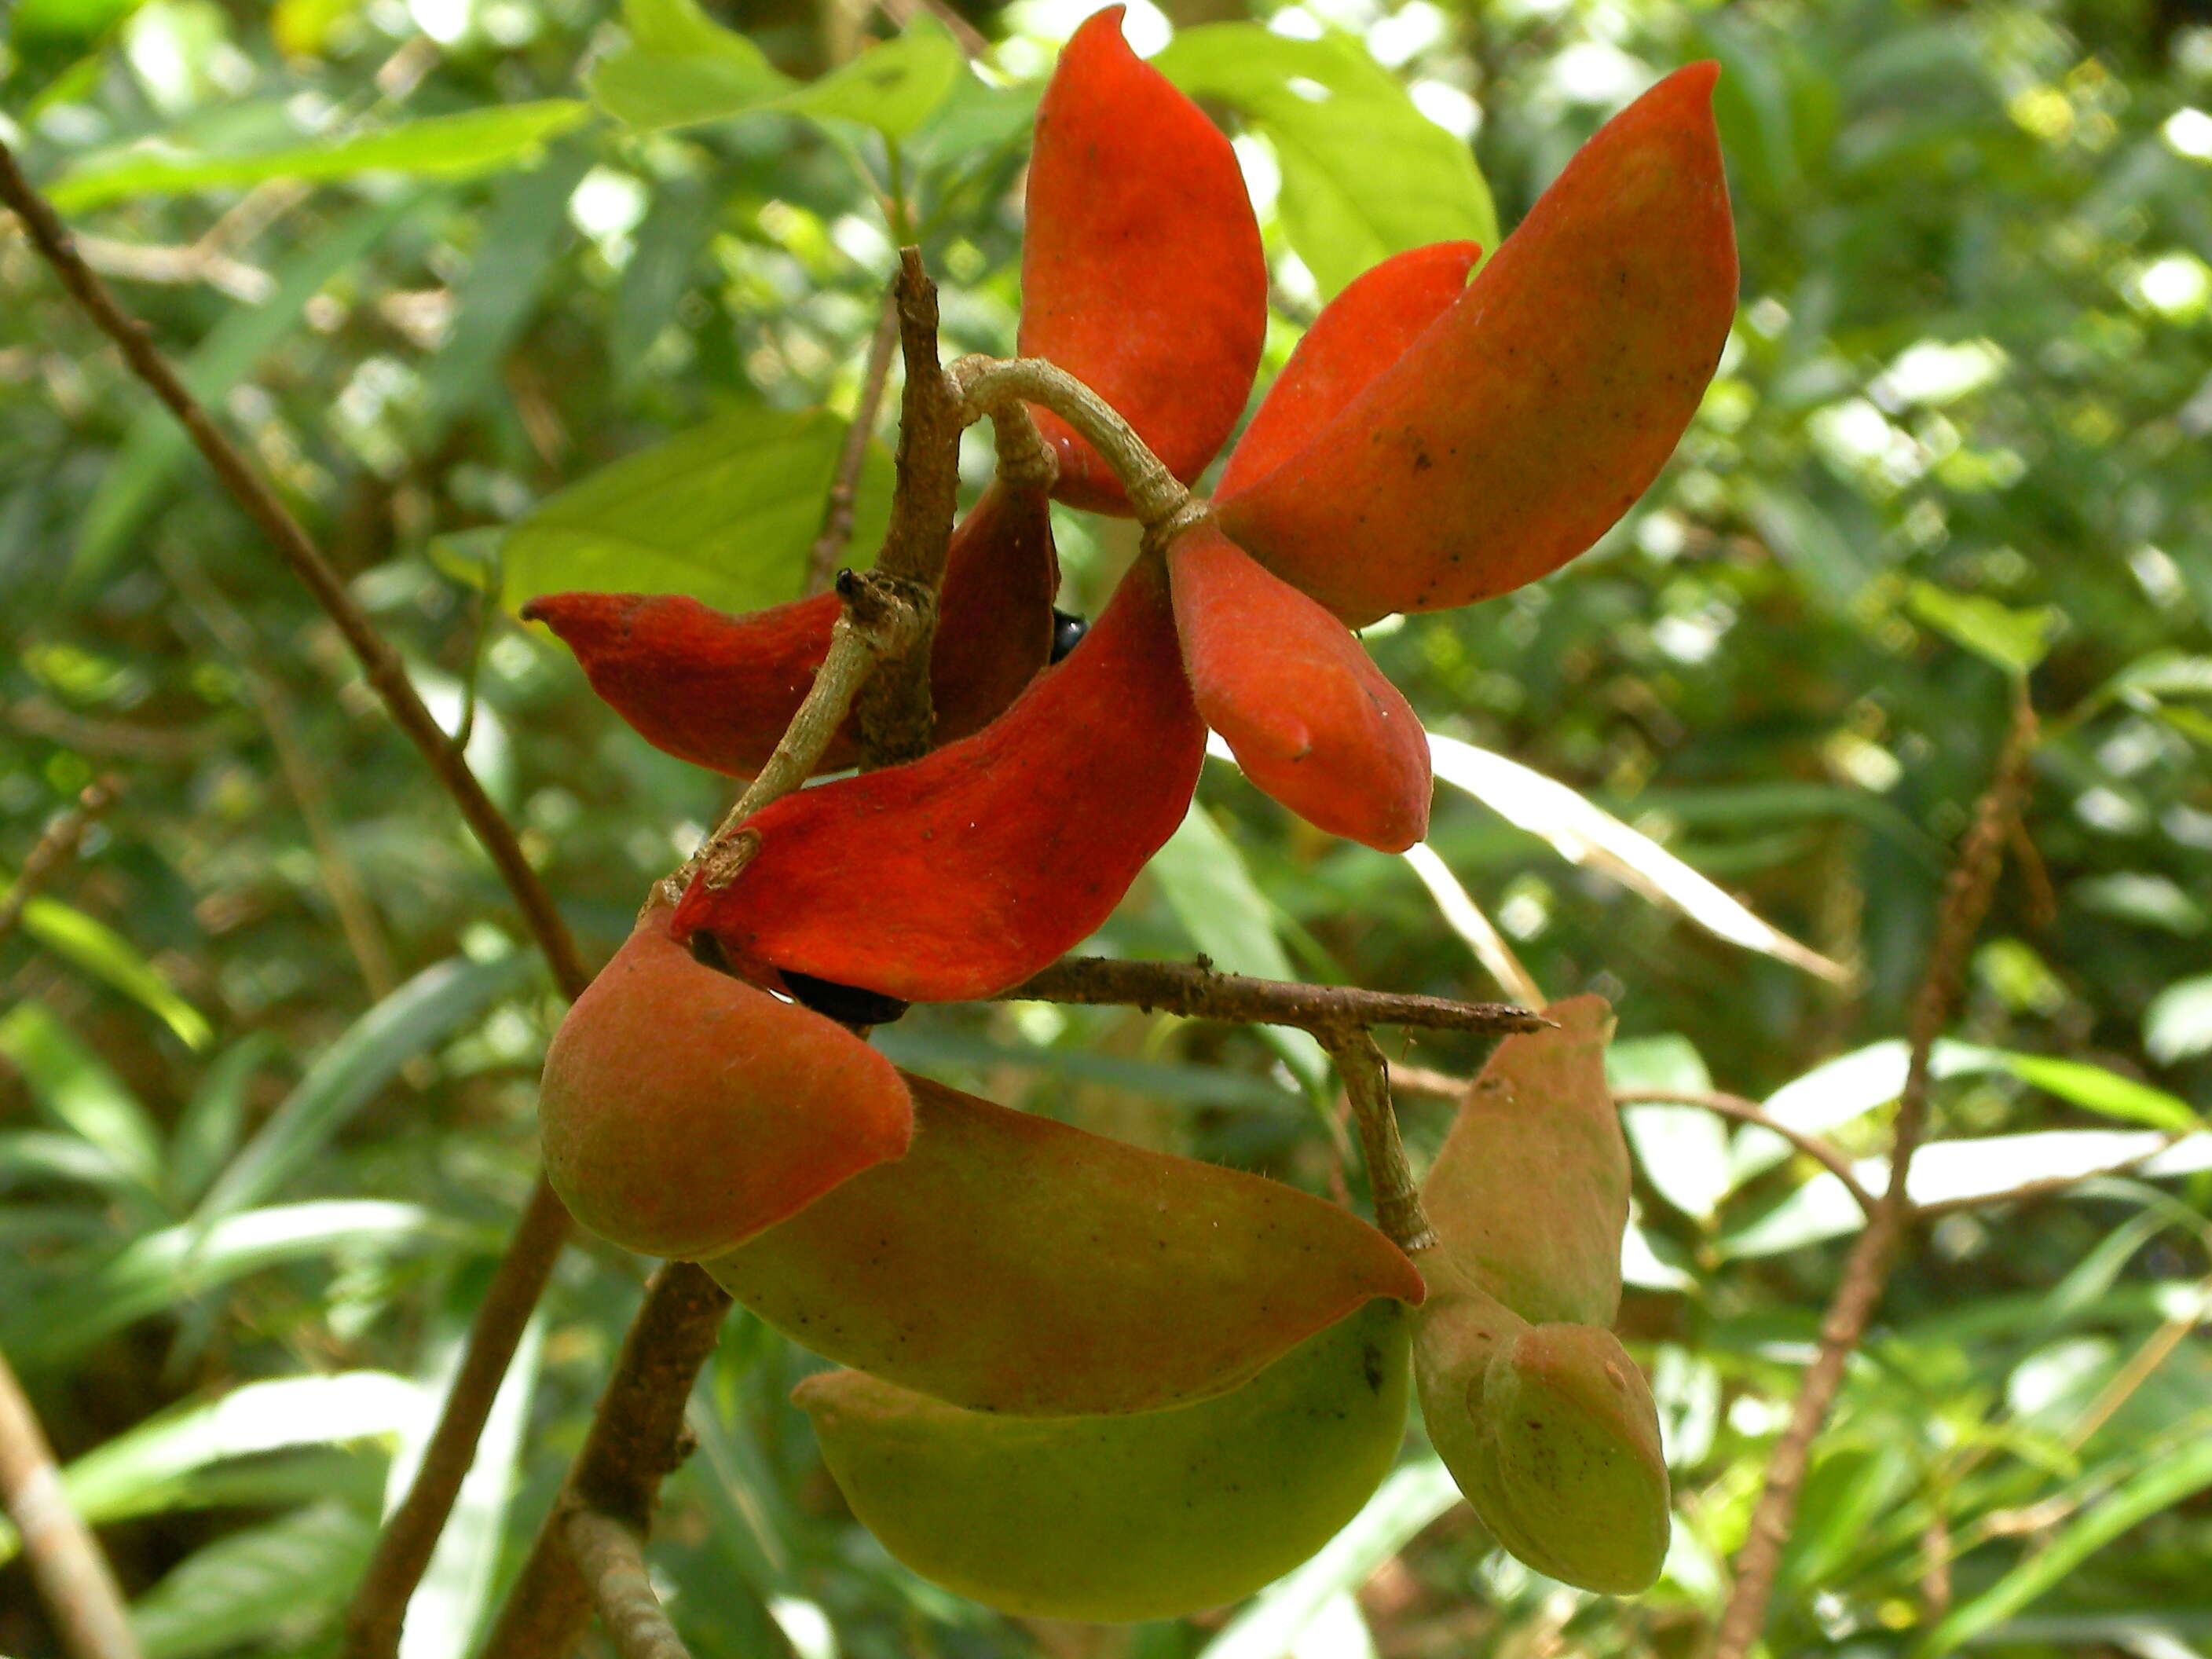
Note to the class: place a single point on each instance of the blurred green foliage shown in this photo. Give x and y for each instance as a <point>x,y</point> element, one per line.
<point>270,1047</point>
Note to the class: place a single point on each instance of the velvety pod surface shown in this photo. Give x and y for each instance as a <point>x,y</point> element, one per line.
<point>1012,1264</point>
<point>682,1110</point>
<point>1119,1518</point>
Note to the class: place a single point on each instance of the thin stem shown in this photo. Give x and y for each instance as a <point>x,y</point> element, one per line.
<point>1199,992</point>
<point>988,384</point>
<point>636,1438</point>
<point>1367,1077</point>
<point>845,486</point>
<point>879,619</point>
<point>404,1550</point>
<point>55,848</point>
<point>612,1558</point>
<point>1823,1152</point>
<point>1867,1270</point>
<point>72,1576</point>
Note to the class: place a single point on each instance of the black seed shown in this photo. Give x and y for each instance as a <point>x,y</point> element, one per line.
<point>848,1005</point>
<point>1067,632</point>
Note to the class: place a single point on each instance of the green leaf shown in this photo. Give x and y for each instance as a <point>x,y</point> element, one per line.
<point>1366,175</point>
<point>75,22</point>
<point>2013,640</point>
<point>1209,889</point>
<point>96,949</point>
<point>681,67</point>
<point>156,443</point>
<point>76,1089</point>
<point>2092,1088</point>
<point>2177,1024</point>
<point>277,1581</point>
<point>149,1469</point>
<point>1271,1623</point>
<point>2186,1471</point>
<point>422,1013</point>
<point>460,146</point>
<point>208,1130</point>
<point>455,1591</point>
<point>520,236</point>
<point>724,512</point>
<point>893,86</point>
<point>164,1269</point>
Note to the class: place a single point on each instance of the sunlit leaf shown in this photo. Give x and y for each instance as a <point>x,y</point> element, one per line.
<point>682,67</point>
<point>2013,640</point>
<point>893,85</point>
<point>76,1089</point>
<point>423,1012</point>
<point>1366,175</point>
<point>724,512</point>
<point>2177,1024</point>
<point>280,1577</point>
<point>96,949</point>
<point>1586,835</point>
<point>436,147</point>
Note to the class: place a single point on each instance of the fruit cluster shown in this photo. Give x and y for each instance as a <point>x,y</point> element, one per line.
<point>1087,1380</point>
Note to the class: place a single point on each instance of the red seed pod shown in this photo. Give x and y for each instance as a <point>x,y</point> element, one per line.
<point>1358,334</point>
<point>1310,717</point>
<point>1516,429</point>
<point>1142,273</point>
<point>682,1111</point>
<point>968,870</point>
<point>718,690</point>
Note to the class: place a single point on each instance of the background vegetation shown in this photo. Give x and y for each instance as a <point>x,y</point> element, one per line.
<point>268,1048</point>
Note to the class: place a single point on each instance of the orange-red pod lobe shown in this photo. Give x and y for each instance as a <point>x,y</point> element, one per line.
<point>1308,715</point>
<point>718,690</point>
<point>1523,423</point>
<point>1142,273</point>
<point>965,871</point>
<point>682,1111</point>
<point>1358,334</point>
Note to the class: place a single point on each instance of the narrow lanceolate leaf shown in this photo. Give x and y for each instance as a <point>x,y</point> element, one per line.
<point>1009,1263</point>
<point>1307,714</point>
<point>724,512</point>
<point>421,1014</point>
<point>1517,428</point>
<point>258,1582</point>
<point>438,147</point>
<point>991,856</point>
<point>719,690</point>
<point>75,1087</point>
<point>1142,273</point>
<point>94,948</point>
<point>1587,835</point>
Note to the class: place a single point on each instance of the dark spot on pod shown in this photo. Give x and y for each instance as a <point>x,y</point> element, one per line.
<point>1067,632</point>
<point>706,951</point>
<point>848,1005</point>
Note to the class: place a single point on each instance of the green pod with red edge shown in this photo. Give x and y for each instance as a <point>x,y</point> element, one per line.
<point>962,873</point>
<point>1009,1263</point>
<point>1307,714</point>
<point>1142,272</point>
<point>1521,424</point>
<point>719,690</point>
<point>683,1110</point>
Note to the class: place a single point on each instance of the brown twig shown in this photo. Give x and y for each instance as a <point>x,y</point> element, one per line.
<point>402,1552</point>
<point>845,485</point>
<point>636,1438</point>
<point>1866,1271</point>
<point>56,846</point>
<point>881,622</point>
<point>72,1576</point>
<point>637,1434</point>
<point>1422,1080</point>
<point>2028,1191</point>
<point>893,716</point>
<point>1367,1077</point>
<point>1824,1153</point>
<point>1200,992</point>
<point>612,1558</point>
